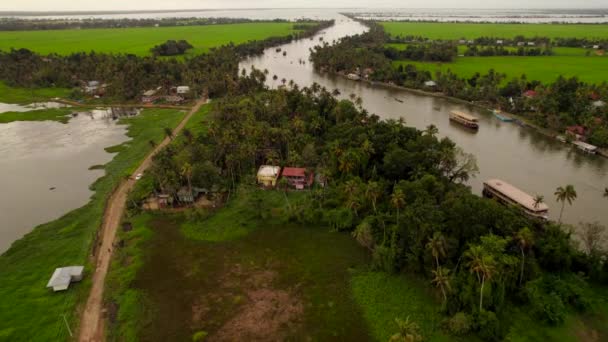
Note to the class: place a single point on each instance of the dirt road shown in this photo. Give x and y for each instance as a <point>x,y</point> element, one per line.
<point>91,323</point>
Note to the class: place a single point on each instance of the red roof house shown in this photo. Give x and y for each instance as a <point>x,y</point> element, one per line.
<point>530,93</point>
<point>298,177</point>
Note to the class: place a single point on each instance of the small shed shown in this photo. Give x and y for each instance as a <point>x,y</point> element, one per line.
<point>268,175</point>
<point>182,90</point>
<point>64,276</point>
<point>531,43</point>
<point>185,195</point>
<point>499,42</point>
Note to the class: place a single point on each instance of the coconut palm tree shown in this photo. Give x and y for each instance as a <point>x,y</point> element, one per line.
<point>438,246</point>
<point>483,266</point>
<point>441,279</point>
<point>565,194</point>
<point>398,201</point>
<point>431,130</point>
<point>373,191</point>
<point>524,239</point>
<point>538,200</point>
<point>409,331</point>
<point>186,172</point>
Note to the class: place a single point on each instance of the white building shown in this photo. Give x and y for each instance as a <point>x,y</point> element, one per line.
<point>64,276</point>
<point>183,90</point>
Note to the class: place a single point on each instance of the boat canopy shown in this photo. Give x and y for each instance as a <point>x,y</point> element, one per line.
<point>465,116</point>
<point>516,195</point>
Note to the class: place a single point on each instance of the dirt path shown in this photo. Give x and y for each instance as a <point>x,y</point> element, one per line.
<point>91,323</point>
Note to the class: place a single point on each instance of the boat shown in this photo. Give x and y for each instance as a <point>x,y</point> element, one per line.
<point>508,194</point>
<point>502,117</point>
<point>583,146</point>
<point>353,77</point>
<point>398,100</point>
<point>464,119</point>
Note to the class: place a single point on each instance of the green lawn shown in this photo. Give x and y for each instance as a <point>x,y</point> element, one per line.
<point>50,114</point>
<point>29,311</point>
<point>27,95</point>
<point>139,40</point>
<point>544,69</point>
<point>472,30</point>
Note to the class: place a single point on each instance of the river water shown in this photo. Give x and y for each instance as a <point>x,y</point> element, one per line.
<point>520,156</point>
<point>44,168</point>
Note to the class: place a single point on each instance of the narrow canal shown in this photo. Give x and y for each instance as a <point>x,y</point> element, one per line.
<point>520,156</point>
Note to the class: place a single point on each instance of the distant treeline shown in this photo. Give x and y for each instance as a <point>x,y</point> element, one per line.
<point>18,24</point>
<point>519,41</point>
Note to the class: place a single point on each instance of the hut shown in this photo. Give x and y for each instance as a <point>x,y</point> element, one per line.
<point>64,276</point>
<point>298,177</point>
<point>268,175</point>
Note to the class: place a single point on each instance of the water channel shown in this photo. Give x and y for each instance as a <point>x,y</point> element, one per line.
<point>521,156</point>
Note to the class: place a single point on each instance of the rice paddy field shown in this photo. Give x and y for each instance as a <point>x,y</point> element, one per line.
<point>139,40</point>
<point>472,30</point>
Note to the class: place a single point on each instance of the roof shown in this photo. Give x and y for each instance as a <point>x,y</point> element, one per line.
<point>269,171</point>
<point>62,277</point>
<point>464,115</point>
<point>294,172</point>
<point>580,130</point>
<point>586,146</point>
<point>150,92</point>
<point>530,93</point>
<point>183,89</point>
<point>430,83</point>
<point>599,103</point>
<point>516,194</point>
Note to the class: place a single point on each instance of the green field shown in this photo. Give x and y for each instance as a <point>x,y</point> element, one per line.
<point>544,69</point>
<point>471,30</point>
<point>27,95</point>
<point>139,40</point>
<point>28,310</point>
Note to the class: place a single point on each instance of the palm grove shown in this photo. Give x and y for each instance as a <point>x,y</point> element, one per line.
<point>399,192</point>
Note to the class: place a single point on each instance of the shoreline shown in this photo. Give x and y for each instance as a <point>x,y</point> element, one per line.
<point>602,152</point>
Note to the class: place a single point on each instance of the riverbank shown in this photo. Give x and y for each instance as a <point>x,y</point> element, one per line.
<point>29,311</point>
<point>524,122</point>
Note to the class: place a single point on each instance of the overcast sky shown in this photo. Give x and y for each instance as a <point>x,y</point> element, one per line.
<point>88,5</point>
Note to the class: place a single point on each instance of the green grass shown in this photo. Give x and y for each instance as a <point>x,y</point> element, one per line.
<point>50,114</point>
<point>139,41</point>
<point>27,95</point>
<point>384,297</point>
<point>197,124</point>
<point>544,69</point>
<point>29,311</point>
<point>472,30</point>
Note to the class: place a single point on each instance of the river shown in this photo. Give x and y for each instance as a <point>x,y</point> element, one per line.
<point>521,156</point>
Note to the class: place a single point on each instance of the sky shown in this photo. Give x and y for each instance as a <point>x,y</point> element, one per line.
<point>117,5</point>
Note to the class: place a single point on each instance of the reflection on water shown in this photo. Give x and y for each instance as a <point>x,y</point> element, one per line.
<point>504,150</point>
<point>44,169</point>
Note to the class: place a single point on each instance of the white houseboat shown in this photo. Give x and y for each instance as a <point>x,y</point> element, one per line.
<point>583,146</point>
<point>353,77</point>
<point>508,194</point>
<point>464,119</point>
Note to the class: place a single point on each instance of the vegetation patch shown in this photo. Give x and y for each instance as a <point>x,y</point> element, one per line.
<point>29,310</point>
<point>30,95</point>
<point>50,114</point>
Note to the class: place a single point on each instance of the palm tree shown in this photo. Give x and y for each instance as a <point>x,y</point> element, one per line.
<point>398,201</point>
<point>169,132</point>
<point>409,331</point>
<point>373,191</point>
<point>538,200</point>
<point>441,278</point>
<point>567,194</point>
<point>483,266</point>
<point>524,239</point>
<point>438,246</point>
<point>431,130</point>
<point>186,172</point>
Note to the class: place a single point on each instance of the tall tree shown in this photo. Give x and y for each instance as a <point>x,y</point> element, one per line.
<point>409,331</point>
<point>441,279</point>
<point>524,239</point>
<point>438,246</point>
<point>186,172</point>
<point>538,200</point>
<point>565,194</point>
<point>398,201</point>
<point>483,266</point>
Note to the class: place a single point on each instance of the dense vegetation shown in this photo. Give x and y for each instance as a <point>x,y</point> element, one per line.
<point>564,102</point>
<point>171,48</point>
<point>399,192</point>
<point>129,75</point>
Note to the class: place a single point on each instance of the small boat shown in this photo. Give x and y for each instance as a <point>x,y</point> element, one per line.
<point>464,119</point>
<point>502,117</point>
<point>398,100</point>
<point>583,146</point>
<point>353,77</point>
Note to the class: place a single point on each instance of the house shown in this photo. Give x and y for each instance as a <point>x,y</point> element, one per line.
<point>531,43</point>
<point>183,90</point>
<point>64,276</point>
<point>470,42</point>
<point>298,177</point>
<point>462,41</point>
<point>268,175</point>
<point>430,84</point>
<point>596,47</point>
<point>530,94</point>
<point>499,42</point>
<point>598,104</point>
<point>173,99</point>
<point>92,87</point>
<point>521,43</point>
<point>149,96</point>
<point>185,195</point>
<point>578,132</point>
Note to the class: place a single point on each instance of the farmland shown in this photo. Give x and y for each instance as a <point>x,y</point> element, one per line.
<point>544,69</point>
<point>471,30</point>
<point>138,41</point>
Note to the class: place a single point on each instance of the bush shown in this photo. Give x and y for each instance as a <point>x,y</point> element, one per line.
<point>459,324</point>
<point>487,325</point>
<point>383,259</point>
<point>546,306</point>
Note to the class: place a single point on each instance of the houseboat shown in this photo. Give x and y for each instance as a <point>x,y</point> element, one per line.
<point>508,194</point>
<point>353,77</point>
<point>583,146</point>
<point>464,119</point>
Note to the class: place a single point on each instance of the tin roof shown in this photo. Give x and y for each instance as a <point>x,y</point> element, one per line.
<point>269,171</point>
<point>294,172</point>
<point>464,115</point>
<point>516,194</point>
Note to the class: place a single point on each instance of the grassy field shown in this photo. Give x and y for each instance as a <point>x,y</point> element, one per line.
<point>261,278</point>
<point>27,95</point>
<point>29,311</point>
<point>544,69</point>
<point>472,30</point>
<point>139,40</point>
<point>50,114</point>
